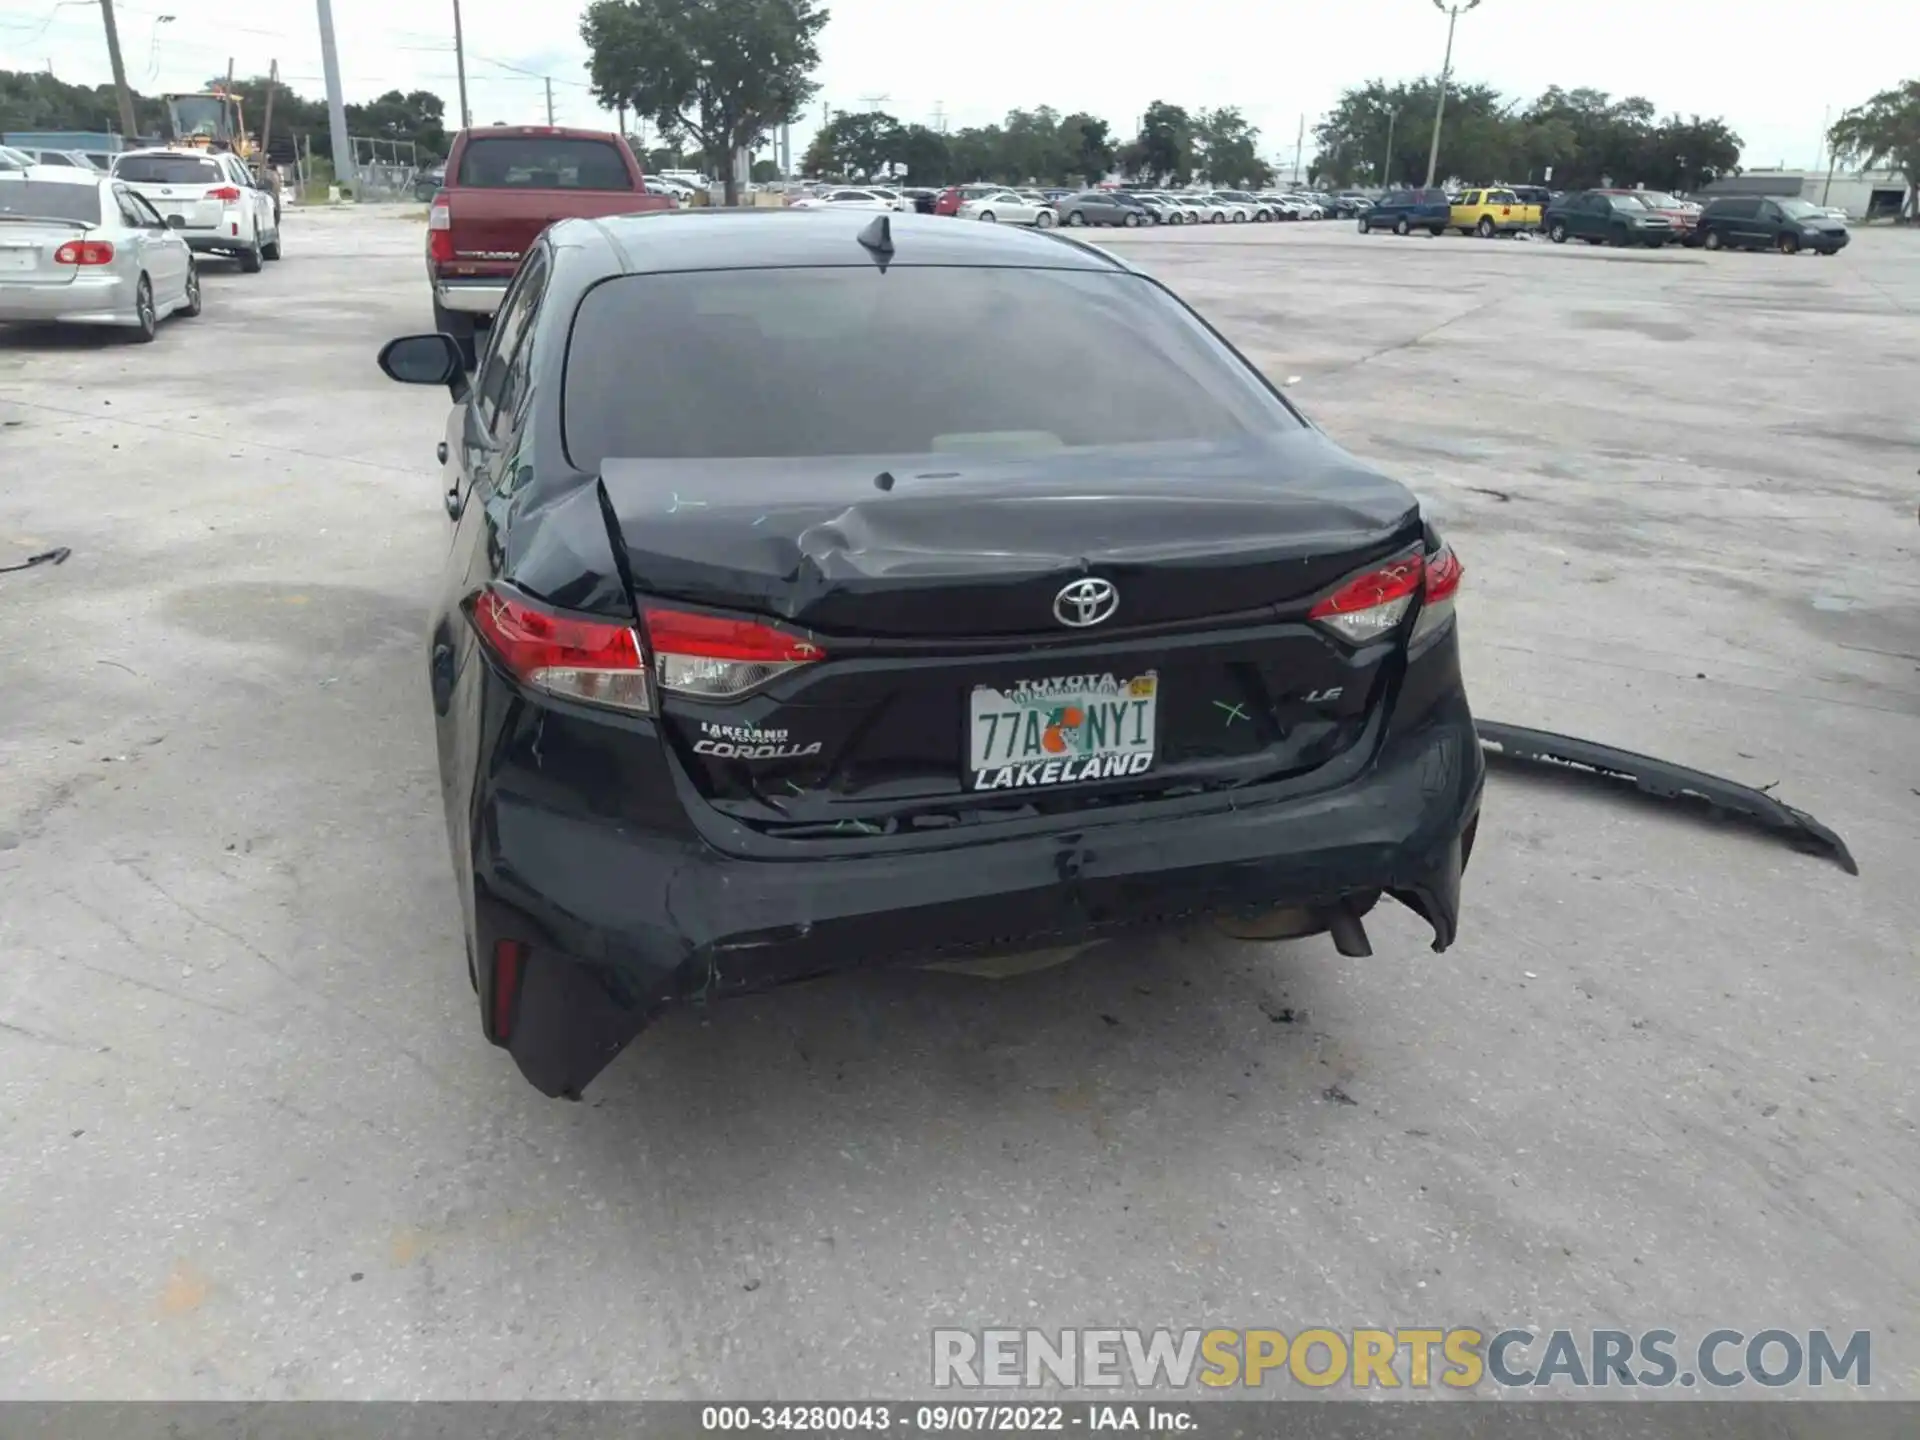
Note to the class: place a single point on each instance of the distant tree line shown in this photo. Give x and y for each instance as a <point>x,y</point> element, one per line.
<point>34,100</point>
<point>1043,147</point>
<point>1885,130</point>
<point>1379,134</point>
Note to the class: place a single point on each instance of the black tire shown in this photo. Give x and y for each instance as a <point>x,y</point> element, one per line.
<point>1044,220</point>
<point>1712,240</point>
<point>1619,238</point>
<point>1485,228</point>
<point>250,261</point>
<point>989,217</point>
<point>1074,217</point>
<point>271,249</point>
<point>1788,244</point>
<point>1239,217</point>
<point>193,292</point>
<point>1436,231</point>
<point>1365,227</point>
<point>146,317</point>
<point>1401,227</point>
<point>1557,232</point>
<point>1132,221</point>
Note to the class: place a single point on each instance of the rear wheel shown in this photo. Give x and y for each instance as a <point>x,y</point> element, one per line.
<point>250,261</point>
<point>1132,221</point>
<point>1239,217</point>
<point>1485,228</point>
<point>192,307</point>
<point>1712,240</point>
<point>1365,228</point>
<point>146,319</point>
<point>462,327</point>
<point>271,250</point>
<point>1074,217</point>
<point>1557,232</point>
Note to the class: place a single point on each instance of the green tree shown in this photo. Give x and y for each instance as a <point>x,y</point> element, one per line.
<point>419,116</point>
<point>1477,141</point>
<point>1163,151</point>
<point>765,172</point>
<point>856,144</point>
<point>1686,154</point>
<point>724,72</point>
<point>977,153</point>
<point>1227,149</point>
<point>1885,131</point>
<point>926,155</point>
<point>1086,148</point>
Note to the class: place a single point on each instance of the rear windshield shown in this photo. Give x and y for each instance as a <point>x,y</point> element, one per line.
<point>50,200</point>
<point>812,362</point>
<point>167,170</point>
<point>543,162</point>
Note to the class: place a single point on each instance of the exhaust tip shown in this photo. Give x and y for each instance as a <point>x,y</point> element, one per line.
<point>1349,935</point>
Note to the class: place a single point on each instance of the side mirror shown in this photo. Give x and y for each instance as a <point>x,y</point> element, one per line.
<point>434,359</point>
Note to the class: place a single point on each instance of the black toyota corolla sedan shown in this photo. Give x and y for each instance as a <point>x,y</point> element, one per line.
<point>832,590</point>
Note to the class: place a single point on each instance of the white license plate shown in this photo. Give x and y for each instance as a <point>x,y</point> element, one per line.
<point>1061,731</point>
<point>16,259</point>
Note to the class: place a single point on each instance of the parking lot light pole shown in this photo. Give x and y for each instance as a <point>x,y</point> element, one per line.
<point>1386,161</point>
<point>1454,12</point>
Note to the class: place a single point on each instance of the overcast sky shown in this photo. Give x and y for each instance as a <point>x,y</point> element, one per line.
<point>1773,71</point>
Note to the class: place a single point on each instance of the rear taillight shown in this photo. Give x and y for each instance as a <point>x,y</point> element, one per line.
<point>84,252</point>
<point>1368,606</point>
<point>1444,572</point>
<point>714,659</point>
<point>573,657</point>
<point>509,964</point>
<point>229,193</point>
<point>440,231</point>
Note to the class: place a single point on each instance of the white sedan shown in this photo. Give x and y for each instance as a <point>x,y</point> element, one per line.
<point>848,199</point>
<point>1008,208</point>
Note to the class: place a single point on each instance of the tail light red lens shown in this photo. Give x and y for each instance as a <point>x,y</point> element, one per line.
<point>440,232</point>
<point>228,193</point>
<point>573,657</point>
<point>84,252</point>
<point>1444,573</point>
<point>1370,605</point>
<point>714,659</point>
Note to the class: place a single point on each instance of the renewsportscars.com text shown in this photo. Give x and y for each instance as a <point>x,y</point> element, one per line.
<point>1459,1358</point>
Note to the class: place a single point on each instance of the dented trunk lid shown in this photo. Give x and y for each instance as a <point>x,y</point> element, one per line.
<point>930,585</point>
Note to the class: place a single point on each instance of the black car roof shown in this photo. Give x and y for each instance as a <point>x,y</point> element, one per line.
<point>680,240</point>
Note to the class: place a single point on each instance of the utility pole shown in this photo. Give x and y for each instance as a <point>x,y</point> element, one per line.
<point>1299,139</point>
<point>343,171</point>
<point>1386,161</point>
<point>460,67</point>
<point>1454,12</point>
<point>549,80</point>
<point>262,162</point>
<point>127,120</point>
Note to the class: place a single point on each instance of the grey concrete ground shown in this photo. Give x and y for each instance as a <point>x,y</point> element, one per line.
<point>255,1147</point>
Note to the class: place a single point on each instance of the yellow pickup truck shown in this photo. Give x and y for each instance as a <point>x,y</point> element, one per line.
<point>1492,212</point>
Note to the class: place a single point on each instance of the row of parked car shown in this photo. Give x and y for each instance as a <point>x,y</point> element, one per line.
<point>1650,218</point>
<point>1114,205</point>
<point>118,248</point>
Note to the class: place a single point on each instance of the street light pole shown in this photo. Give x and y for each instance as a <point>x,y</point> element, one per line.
<point>1454,12</point>
<point>1386,161</point>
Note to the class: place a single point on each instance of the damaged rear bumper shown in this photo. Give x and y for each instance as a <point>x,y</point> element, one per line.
<point>608,925</point>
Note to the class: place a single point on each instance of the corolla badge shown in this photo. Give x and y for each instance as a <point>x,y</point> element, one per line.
<point>1085,602</point>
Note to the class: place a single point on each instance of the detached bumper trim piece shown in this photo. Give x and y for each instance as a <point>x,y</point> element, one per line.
<point>1666,781</point>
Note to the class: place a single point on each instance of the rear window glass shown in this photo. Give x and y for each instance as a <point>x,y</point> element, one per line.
<point>50,200</point>
<point>543,162</point>
<point>167,170</point>
<point>815,361</point>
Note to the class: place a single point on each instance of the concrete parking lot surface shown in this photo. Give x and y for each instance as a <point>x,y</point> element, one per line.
<point>256,1147</point>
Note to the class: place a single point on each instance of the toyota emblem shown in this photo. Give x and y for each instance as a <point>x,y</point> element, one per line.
<point>1085,602</point>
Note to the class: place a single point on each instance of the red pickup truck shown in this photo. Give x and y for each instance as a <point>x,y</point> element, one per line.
<point>504,185</point>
